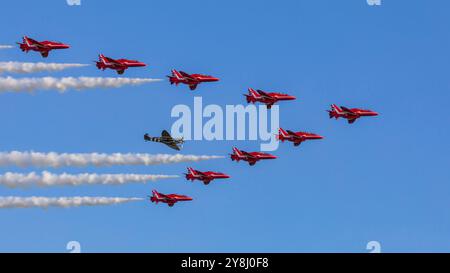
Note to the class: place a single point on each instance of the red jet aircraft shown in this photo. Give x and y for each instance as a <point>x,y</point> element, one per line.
<point>119,65</point>
<point>190,79</point>
<point>43,47</point>
<point>251,158</point>
<point>169,199</point>
<point>205,177</point>
<point>268,99</point>
<point>350,114</point>
<point>296,137</point>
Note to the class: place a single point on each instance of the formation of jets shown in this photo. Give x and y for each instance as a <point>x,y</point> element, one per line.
<point>193,80</point>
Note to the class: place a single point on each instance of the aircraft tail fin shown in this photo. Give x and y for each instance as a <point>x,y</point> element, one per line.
<point>156,193</point>
<point>336,108</point>
<point>177,74</point>
<point>253,93</point>
<point>26,40</point>
<point>190,174</point>
<point>335,111</point>
<point>252,96</point>
<point>25,45</point>
<point>282,134</point>
<point>191,171</point>
<point>101,63</point>
<point>154,197</point>
<point>237,151</point>
<point>102,58</point>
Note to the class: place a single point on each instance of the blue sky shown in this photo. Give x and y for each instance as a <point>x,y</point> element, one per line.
<point>384,178</point>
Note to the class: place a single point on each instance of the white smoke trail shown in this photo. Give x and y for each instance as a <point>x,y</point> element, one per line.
<point>64,202</point>
<point>10,84</point>
<point>55,160</point>
<point>6,46</point>
<point>13,180</point>
<point>19,67</point>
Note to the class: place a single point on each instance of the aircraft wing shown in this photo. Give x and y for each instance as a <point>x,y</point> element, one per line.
<point>186,75</point>
<point>169,141</point>
<point>201,173</point>
<point>247,154</point>
<point>172,199</point>
<point>164,133</point>
<point>164,196</point>
<point>172,145</point>
<point>40,45</point>
<point>36,43</point>
<point>113,61</point>
<point>264,94</point>
<point>347,110</point>
<point>175,197</point>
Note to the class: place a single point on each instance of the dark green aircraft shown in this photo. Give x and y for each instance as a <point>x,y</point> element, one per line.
<point>166,138</point>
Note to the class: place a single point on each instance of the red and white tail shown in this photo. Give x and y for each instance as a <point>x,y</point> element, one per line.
<point>253,93</point>
<point>191,171</point>
<point>102,58</point>
<point>252,96</point>
<point>26,41</point>
<point>155,196</point>
<point>282,134</point>
<point>177,74</point>
<point>25,45</point>
<point>237,151</point>
<point>155,193</point>
<point>101,63</point>
<point>336,109</point>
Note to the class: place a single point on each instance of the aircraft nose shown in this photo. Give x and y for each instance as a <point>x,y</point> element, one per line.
<point>375,114</point>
